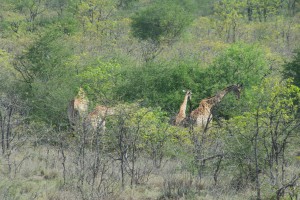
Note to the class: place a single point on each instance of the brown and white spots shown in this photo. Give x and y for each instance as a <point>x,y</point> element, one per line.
<point>202,115</point>
<point>78,108</point>
<point>95,120</point>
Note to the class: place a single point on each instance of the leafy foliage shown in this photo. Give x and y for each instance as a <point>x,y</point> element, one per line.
<point>48,49</point>
<point>7,73</point>
<point>95,15</point>
<point>162,22</point>
<point>292,68</point>
<point>258,140</point>
<point>159,84</point>
<point>43,68</point>
<point>99,80</point>
<point>239,64</point>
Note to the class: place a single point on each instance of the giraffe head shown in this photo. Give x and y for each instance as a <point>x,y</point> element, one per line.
<point>188,93</point>
<point>236,89</point>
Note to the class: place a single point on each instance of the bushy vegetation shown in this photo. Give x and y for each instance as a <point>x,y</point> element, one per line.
<point>137,57</point>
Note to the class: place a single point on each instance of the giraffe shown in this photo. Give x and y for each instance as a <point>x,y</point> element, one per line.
<point>182,111</point>
<point>96,118</point>
<point>201,116</point>
<point>78,107</point>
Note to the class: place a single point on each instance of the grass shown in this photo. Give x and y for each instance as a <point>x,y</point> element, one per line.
<point>36,172</point>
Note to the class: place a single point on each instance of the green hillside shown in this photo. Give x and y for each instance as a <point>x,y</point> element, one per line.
<point>136,57</point>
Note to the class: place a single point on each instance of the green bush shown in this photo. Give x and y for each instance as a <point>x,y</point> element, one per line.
<point>239,64</point>
<point>48,79</point>
<point>159,84</point>
<point>162,21</point>
<point>292,68</point>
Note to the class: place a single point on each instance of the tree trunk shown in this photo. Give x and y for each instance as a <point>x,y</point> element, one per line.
<point>249,11</point>
<point>8,128</point>
<point>257,183</point>
<point>2,133</point>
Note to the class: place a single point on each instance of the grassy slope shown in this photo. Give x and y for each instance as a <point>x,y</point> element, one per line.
<point>36,171</point>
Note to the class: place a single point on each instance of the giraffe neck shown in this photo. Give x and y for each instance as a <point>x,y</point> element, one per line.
<point>183,106</point>
<point>212,101</point>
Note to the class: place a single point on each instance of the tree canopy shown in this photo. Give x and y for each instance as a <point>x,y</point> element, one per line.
<point>134,59</point>
<point>161,22</point>
<point>292,68</point>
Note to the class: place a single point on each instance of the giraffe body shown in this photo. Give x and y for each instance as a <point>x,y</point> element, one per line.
<point>96,119</point>
<point>78,108</point>
<point>202,115</point>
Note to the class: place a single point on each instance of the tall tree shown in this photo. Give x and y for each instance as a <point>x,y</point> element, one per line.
<point>48,77</point>
<point>161,23</point>
<point>292,68</point>
<point>259,142</point>
<point>239,64</point>
<point>228,14</point>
